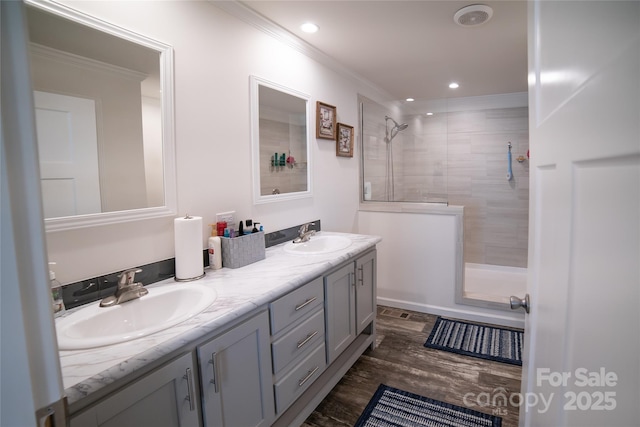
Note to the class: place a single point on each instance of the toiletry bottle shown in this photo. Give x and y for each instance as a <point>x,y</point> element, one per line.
<point>56,293</point>
<point>255,227</point>
<point>214,249</point>
<point>220,226</point>
<point>248,224</point>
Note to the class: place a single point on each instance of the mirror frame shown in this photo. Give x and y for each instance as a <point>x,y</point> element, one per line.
<point>169,208</point>
<point>258,198</point>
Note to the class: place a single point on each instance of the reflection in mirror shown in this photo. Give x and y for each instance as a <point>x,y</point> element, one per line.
<point>280,138</point>
<point>104,119</point>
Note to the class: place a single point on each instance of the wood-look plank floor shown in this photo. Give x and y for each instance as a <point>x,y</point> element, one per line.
<point>401,360</point>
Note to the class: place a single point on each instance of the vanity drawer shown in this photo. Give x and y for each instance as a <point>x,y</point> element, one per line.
<point>295,305</point>
<point>297,341</point>
<point>300,378</point>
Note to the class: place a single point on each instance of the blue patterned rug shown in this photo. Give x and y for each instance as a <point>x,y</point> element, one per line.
<point>470,339</point>
<point>390,407</point>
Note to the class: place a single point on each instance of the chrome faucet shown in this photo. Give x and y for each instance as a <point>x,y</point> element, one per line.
<point>304,234</point>
<point>127,290</point>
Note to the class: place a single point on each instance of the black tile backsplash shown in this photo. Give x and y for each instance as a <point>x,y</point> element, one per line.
<point>86,291</point>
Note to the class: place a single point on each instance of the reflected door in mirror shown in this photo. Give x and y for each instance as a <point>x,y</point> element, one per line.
<point>68,150</point>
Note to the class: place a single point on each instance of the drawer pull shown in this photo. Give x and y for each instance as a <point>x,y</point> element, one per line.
<point>215,379</point>
<point>309,375</point>
<point>361,279</point>
<point>306,303</point>
<point>190,391</point>
<point>307,339</point>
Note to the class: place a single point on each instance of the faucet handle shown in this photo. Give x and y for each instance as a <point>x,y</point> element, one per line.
<point>128,276</point>
<point>305,227</point>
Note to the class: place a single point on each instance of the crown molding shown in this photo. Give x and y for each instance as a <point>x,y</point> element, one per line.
<point>267,26</point>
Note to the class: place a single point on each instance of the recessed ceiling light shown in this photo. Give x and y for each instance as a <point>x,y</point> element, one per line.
<point>309,27</point>
<point>410,100</point>
<point>429,114</point>
<point>453,85</point>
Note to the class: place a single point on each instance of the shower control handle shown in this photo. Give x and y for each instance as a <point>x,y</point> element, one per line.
<point>517,302</point>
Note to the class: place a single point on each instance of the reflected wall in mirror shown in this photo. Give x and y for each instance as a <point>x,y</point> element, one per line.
<point>280,142</point>
<point>104,119</point>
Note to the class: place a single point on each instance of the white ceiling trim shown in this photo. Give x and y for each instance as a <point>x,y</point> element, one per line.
<point>253,18</point>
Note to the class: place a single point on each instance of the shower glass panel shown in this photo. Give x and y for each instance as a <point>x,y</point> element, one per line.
<point>404,155</point>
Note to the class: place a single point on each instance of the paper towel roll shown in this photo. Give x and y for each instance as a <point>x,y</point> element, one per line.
<point>188,238</point>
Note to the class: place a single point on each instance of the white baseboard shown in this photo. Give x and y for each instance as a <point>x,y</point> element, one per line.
<point>468,314</point>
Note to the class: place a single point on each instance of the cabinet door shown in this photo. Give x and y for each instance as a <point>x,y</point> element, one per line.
<point>365,291</point>
<point>340,309</point>
<point>166,397</point>
<point>237,385</point>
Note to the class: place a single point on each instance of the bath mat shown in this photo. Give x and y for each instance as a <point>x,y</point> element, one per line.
<point>390,407</point>
<point>470,339</point>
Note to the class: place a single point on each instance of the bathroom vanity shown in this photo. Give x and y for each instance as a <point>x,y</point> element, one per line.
<point>279,336</point>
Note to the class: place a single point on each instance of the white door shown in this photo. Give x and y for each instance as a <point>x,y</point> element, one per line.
<point>31,388</point>
<point>582,339</point>
<point>68,151</point>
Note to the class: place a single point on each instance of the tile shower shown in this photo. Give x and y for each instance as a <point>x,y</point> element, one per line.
<point>458,156</point>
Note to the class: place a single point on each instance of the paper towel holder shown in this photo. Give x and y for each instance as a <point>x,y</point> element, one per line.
<point>189,279</point>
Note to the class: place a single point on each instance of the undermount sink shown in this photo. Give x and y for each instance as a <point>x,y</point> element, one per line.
<point>163,307</point>
<point>318,245</point>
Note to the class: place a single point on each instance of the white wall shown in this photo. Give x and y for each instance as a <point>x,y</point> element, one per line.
<point>417,265</point>
<point>214,55</point>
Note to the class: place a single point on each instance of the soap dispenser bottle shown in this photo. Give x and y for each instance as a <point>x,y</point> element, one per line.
<point>214,249</point>
<point>56,293</point>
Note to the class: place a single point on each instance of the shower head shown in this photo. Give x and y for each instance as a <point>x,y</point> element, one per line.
<point>397,127</point>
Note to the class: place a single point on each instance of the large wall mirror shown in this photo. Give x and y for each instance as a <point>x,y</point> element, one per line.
<point>280,142</point>
<point>104,119</point>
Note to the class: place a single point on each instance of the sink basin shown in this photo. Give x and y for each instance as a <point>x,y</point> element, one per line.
<point>318,245</point>
<point>163,307</point>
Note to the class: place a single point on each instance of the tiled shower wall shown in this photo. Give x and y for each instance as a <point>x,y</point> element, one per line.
<point>496,211</point>
<point>460,158</point>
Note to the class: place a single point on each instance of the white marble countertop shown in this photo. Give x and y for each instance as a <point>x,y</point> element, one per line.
<point>239,291</point>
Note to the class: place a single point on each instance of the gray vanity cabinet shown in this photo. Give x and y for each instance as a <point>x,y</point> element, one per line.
<point>166,397</point>
<point>365,291</point>
<point>350,302</point>
<point>236,376</point>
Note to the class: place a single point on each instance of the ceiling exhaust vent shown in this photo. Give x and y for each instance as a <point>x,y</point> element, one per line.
<point>475,14</point>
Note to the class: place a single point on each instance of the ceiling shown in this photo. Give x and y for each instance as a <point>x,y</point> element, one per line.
<point>414,48</point>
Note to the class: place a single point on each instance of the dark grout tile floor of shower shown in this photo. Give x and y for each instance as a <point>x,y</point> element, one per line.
<point>401,360</point>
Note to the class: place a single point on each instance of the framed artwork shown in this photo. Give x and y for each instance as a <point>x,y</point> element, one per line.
<point>325,121</point>
<point>344,141</point>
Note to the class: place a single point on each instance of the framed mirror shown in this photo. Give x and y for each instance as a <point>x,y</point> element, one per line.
<point>104,119</point>
<point>281,155</point>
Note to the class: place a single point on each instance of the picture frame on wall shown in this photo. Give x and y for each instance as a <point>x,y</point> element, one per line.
<point>344,140</point>
<point>325,121</point>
